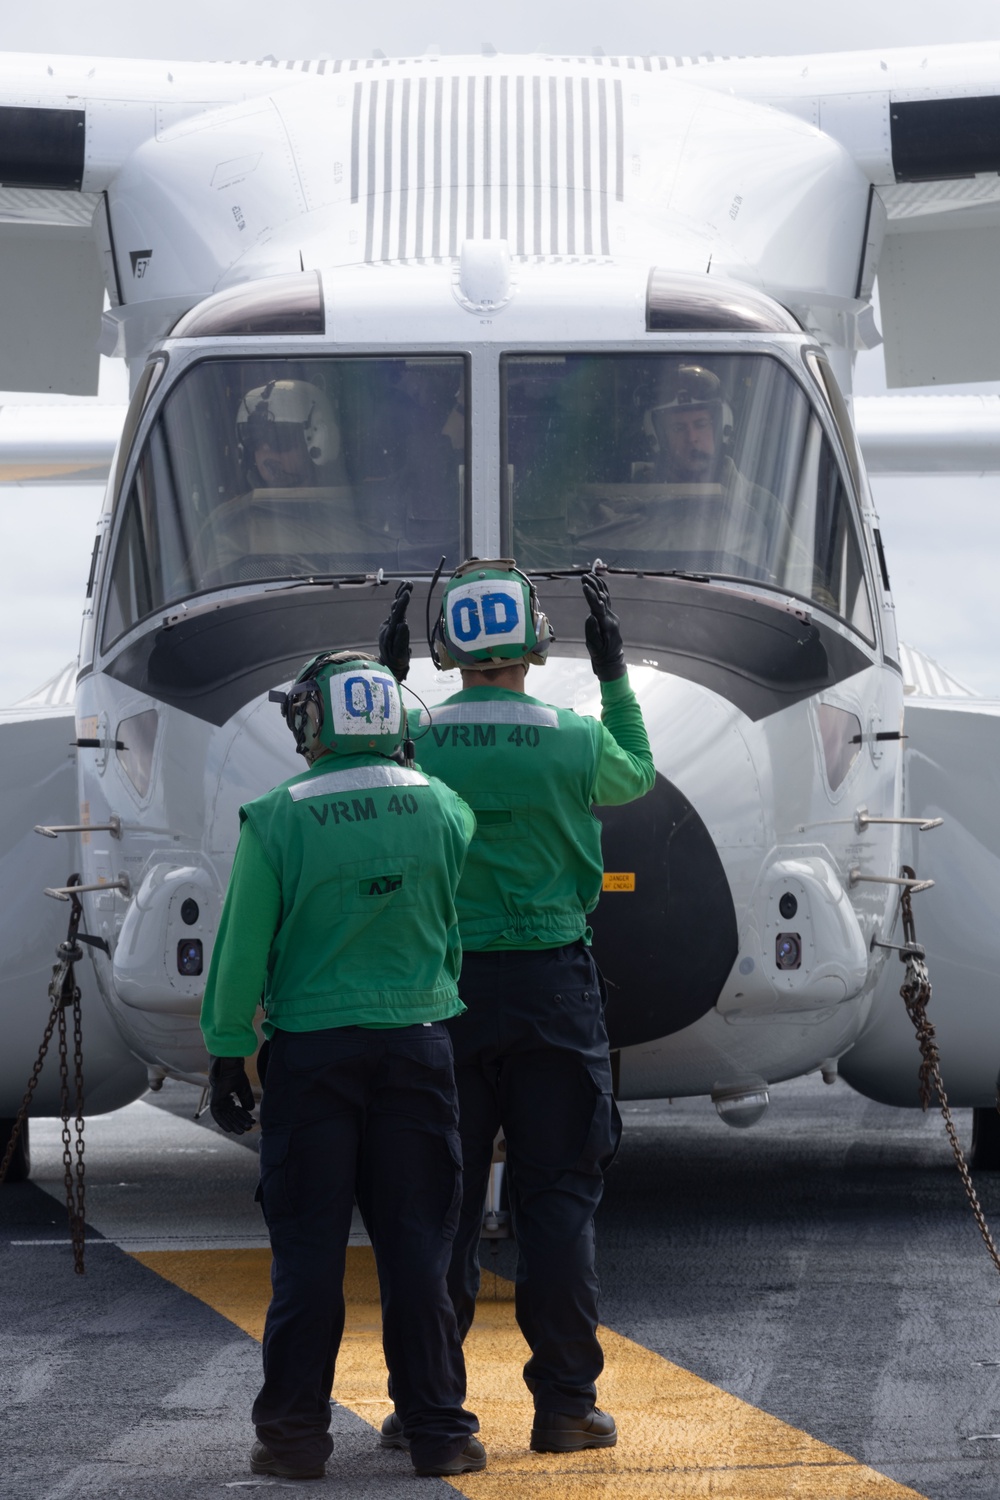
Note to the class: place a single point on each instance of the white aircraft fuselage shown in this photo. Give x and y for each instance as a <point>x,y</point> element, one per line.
<point>494,276</point>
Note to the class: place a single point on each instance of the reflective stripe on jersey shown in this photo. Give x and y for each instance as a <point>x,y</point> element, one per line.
<point>367,871</point>
<point>358,779</point>
<point>491,712</point>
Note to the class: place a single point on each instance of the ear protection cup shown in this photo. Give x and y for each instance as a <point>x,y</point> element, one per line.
<point>344,702</point>
<point>439,651</point>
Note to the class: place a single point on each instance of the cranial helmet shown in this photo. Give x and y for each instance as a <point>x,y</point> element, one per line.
<point>490,618</point>
<point>344,702</point>
<point>690,386</point>
<point>284,414</point>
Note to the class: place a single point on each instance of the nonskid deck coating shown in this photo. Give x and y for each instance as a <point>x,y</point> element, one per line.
<point>792,1310</point>
<point>678,1434</point>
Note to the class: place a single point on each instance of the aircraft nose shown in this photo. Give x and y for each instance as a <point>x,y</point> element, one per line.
<point>665,931</point>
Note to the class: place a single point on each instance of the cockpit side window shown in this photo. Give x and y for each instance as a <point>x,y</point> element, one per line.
<point>131,595</point>
<point>705,463</point>
<point>277,468</point>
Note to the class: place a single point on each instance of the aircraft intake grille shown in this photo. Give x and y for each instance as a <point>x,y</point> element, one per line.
<point>535,160</point>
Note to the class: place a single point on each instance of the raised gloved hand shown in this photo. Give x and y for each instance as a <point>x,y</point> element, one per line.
<point>227,1078</point>
<point>394,634</point>
<point>604,637</point>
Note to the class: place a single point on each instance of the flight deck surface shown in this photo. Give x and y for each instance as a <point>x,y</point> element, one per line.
<point>804,1309</point>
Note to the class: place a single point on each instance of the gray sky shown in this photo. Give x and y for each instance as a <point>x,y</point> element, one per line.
<point>941,536</point>
<point>194,29</point>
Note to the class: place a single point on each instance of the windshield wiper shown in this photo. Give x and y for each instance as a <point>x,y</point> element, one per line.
<point>600,567</point>
<point>334,580</point>
<point>191,609</point>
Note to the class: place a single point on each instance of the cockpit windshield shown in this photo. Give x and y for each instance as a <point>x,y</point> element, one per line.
<point>279,468</point>
<point>700,463</point>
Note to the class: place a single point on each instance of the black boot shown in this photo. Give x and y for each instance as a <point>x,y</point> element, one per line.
<point>555,1432</point>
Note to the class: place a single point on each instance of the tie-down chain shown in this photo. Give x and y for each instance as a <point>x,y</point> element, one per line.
<point>64,993</point>
<point>916,993</point>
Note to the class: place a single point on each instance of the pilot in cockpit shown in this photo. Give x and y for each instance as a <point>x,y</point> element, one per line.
<point>691,424</point>
<point>687,503</point>
<point>285,519</point>
<point>288,436</point>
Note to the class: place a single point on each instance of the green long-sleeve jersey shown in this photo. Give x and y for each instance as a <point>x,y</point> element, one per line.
<point>340,909</point>
<point>532,775</point>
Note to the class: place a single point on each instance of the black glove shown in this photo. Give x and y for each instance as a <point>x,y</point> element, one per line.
<point>227,1077</point>
<point>394,635</point>
<point>604,637</point>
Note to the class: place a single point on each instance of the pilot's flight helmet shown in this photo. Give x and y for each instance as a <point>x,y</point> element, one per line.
<point>285,414</point>
<point>689,385</point>
<point>490,618</point>
<point>345,702</point>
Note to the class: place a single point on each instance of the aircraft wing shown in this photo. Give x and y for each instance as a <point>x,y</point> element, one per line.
<point>923,434</point>
<point>58,444</point>
<point>923,123</point>
<point>67,125</point>
<point>38,779</point>
<point>951,771</point>
<point>38,776</point>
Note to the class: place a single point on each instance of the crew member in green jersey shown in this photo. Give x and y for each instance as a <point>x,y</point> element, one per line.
<point>341,912</point>
<point>531,1052</point>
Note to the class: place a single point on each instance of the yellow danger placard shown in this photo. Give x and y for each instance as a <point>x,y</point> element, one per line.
<point>619,880</point>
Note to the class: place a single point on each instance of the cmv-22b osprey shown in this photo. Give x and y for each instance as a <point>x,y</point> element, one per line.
<point>582,312</point>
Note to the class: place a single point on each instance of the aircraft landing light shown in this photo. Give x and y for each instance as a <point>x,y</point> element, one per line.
<point>678,1434</point>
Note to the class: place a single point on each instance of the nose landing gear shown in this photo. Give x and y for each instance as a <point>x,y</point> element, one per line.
<point>496,1216</point>
<point>985,1155</point>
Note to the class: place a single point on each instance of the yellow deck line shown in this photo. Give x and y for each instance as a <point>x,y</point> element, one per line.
<point>679,1436</point>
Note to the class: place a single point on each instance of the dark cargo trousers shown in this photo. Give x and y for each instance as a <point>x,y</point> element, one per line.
<point>531,1056</point>
<point>372,1112</point>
